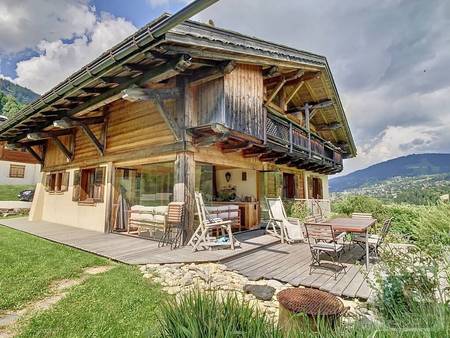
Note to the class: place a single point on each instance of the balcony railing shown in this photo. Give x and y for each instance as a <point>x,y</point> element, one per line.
<point>295,138</point>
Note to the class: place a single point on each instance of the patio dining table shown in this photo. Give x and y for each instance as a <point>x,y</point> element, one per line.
<point>356,225</point>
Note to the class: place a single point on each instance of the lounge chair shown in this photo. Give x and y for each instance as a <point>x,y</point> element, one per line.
<point>322,239</point>
<point>375,241</point>
<point>279,225</point>
<point>202,237</point>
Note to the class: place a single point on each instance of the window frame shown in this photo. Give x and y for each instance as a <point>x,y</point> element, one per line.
<point>89,185</point>
<point>57,182</point>
<point>13,167</point>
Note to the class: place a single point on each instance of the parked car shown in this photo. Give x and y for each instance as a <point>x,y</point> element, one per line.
<point>26,195</point>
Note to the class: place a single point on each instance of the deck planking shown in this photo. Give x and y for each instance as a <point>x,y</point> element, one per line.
<point>260,257</point>
<point>134,250</point>
<point>291,264</point>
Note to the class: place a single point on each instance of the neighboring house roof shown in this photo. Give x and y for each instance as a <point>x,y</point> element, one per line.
<point>192,38</point>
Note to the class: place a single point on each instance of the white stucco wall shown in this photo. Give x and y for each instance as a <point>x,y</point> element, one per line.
<point>59,208</point>
<point>32,173</point>
<point>243,188</point>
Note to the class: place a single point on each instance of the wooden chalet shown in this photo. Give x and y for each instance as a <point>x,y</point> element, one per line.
<point>179,107</point>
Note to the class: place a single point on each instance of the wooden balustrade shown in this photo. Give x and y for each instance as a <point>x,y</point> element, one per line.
<point>295,138</point>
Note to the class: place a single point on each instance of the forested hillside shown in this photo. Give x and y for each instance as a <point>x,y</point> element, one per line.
<point>405,166</point>
<point>14,97</point>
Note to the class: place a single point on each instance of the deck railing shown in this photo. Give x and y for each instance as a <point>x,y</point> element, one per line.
<point>295,138</point>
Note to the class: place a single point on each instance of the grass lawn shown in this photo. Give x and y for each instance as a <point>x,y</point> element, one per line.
<point>118,303</point>
<point>29,264</point>
<point>9,192</point>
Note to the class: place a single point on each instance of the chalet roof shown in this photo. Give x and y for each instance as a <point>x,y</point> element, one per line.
<point>133,60</point>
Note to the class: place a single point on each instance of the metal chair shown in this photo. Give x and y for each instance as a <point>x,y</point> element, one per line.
<point>375,241</point>
<point>322,239</point>
<point>174,217</point>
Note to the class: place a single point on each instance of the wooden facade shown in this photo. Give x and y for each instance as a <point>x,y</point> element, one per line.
<point>186,102</point>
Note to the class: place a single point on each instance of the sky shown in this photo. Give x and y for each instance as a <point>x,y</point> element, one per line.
<point>390,58</point>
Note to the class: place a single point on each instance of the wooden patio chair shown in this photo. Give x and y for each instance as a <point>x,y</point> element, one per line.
<point>375,241</point>
<point>288,229</point>
<point>174,218</point>
<point>322,239</point>
<point>202,237</point>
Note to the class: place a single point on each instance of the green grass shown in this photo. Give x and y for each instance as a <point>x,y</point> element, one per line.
<point>9,192</point>
<point>29,264</point>
<point>118,303</point>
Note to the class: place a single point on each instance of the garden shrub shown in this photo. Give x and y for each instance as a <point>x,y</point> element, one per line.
<point>407,279</point>
<point>432,230</point>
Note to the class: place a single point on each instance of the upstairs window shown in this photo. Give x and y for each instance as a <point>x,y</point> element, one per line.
<point>16,171</point>
<point>57,182</point>
<point>88,185</point>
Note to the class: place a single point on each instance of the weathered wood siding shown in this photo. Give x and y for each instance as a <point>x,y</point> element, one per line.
<point>210,105</point>
<point>131,126</point>
<point>235,100</point>
<point>244,100</point>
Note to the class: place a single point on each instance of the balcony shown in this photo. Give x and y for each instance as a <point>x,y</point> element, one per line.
<point>284,142</point>
<point>303,150</point>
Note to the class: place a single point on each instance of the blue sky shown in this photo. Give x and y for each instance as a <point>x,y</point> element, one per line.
<point>390,59</point>
<point>139,12</point>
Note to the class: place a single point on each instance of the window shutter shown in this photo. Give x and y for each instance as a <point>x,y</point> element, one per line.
<point>99,182</point>
<point>65,181</point>
<point>76,186</point>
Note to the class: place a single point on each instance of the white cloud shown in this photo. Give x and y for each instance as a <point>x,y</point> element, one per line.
<point>167,3</point>
<point>389,60</point>
<point>24,23</point>
<point>57,59</point>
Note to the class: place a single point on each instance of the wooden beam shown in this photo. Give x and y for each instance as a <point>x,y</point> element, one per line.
<point>203,75</point>
<point>91,136</point>
<point>62,147</point>
<point>141,94</point>
<point>33,153</point>
<point>276,91</point>
<point>48,134</point>
<point>94,90</point>
<point>294,92</point>
<point>272,71</point>
<point>236,147</point>
<point>168,118</point>
<point>165,70</point>
<point>210,140</point>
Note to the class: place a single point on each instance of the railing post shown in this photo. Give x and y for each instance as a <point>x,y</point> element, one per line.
<point>290,137</point>
<point>308,129</point>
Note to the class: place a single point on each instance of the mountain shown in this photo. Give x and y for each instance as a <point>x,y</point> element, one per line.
<point>14,97</point>
<point>405,166</point>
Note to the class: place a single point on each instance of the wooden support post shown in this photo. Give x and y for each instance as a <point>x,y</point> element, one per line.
<point>184,189</point>
<point>109,200</point>
<point>291,138</point>
<point>308,128</point>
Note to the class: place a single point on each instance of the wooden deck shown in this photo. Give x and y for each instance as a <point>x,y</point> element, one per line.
<point>133,250</point>
<point>260,257</point>
<point>291,264</point>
